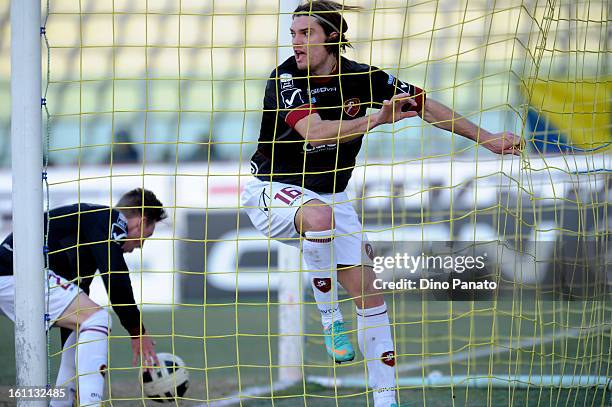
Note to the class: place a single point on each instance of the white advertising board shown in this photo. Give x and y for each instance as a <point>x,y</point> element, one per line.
<point>214,189</point>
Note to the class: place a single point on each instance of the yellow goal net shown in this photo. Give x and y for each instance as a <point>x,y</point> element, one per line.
<point>168,95</point>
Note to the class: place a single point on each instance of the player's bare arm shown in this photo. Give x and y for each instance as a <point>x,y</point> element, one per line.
<point>318,131</point>
<point>445,118</point>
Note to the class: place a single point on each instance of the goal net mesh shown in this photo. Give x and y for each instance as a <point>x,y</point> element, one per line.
<point>167,95</point>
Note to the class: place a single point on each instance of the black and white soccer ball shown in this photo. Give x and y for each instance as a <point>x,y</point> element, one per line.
<point>168,381</point>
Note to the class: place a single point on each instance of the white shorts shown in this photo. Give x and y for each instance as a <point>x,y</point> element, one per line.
<point>272,207</point>
<point>61,294</point>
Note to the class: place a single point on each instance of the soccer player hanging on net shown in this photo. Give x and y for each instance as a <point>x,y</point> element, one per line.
<point>83,238</point>
<point>312,127</point>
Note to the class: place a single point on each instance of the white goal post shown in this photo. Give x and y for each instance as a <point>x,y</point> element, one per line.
<point>27,194</point>
<point>290,299</point>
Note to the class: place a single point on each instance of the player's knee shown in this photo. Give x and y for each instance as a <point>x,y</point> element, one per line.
<point>100,320</point>
<point>319,218</point>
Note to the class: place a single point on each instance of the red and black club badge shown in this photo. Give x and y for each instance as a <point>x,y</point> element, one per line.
<point>352,107</point>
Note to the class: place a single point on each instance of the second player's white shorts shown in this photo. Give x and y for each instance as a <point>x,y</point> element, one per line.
<point>272,207</point>
<point>61,294</point>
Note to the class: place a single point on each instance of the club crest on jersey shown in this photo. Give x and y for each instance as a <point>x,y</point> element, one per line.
<point>388,358</point>
<point>322,284</point>
<point>352,107</point>
<point>292,97</point>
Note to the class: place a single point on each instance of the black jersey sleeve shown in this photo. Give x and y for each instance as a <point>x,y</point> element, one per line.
<point>288,95</point>
<point>385,86</point>
<point>114,272</point>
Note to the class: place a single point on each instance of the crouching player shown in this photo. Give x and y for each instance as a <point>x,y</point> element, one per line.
<point>83,238</point>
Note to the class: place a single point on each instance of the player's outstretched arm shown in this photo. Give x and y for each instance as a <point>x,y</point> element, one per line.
<point>318,131</point>
<point>447,119</point>
<point>399,107</point>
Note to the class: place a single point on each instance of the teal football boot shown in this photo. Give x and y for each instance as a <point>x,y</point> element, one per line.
<point>337,343</point>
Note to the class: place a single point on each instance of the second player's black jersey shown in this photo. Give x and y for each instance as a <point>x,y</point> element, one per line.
<point>282,153</point>
<point>84,238</point>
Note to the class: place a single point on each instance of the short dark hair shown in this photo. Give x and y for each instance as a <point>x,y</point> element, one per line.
<point>140,201</point>
<point>329,16</point>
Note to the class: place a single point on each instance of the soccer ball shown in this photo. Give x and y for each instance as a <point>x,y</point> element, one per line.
<point>168,381</point>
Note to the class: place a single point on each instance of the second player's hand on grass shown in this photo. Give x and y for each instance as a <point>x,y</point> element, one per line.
<point>396,109</point>
<point>149,357</point>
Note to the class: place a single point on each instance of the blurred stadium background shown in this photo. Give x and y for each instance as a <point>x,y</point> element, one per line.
<point>172,91</point>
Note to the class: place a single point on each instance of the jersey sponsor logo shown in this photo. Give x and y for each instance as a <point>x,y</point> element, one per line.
<point>292,97</point>
<point>388,358</point>
<point>322,284</point>
<point>309,148</point>
<point>286,81</point>
<point>119,229</point>
<point>352,107</point>
<point>323,89</point>
<point>391,79</point>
